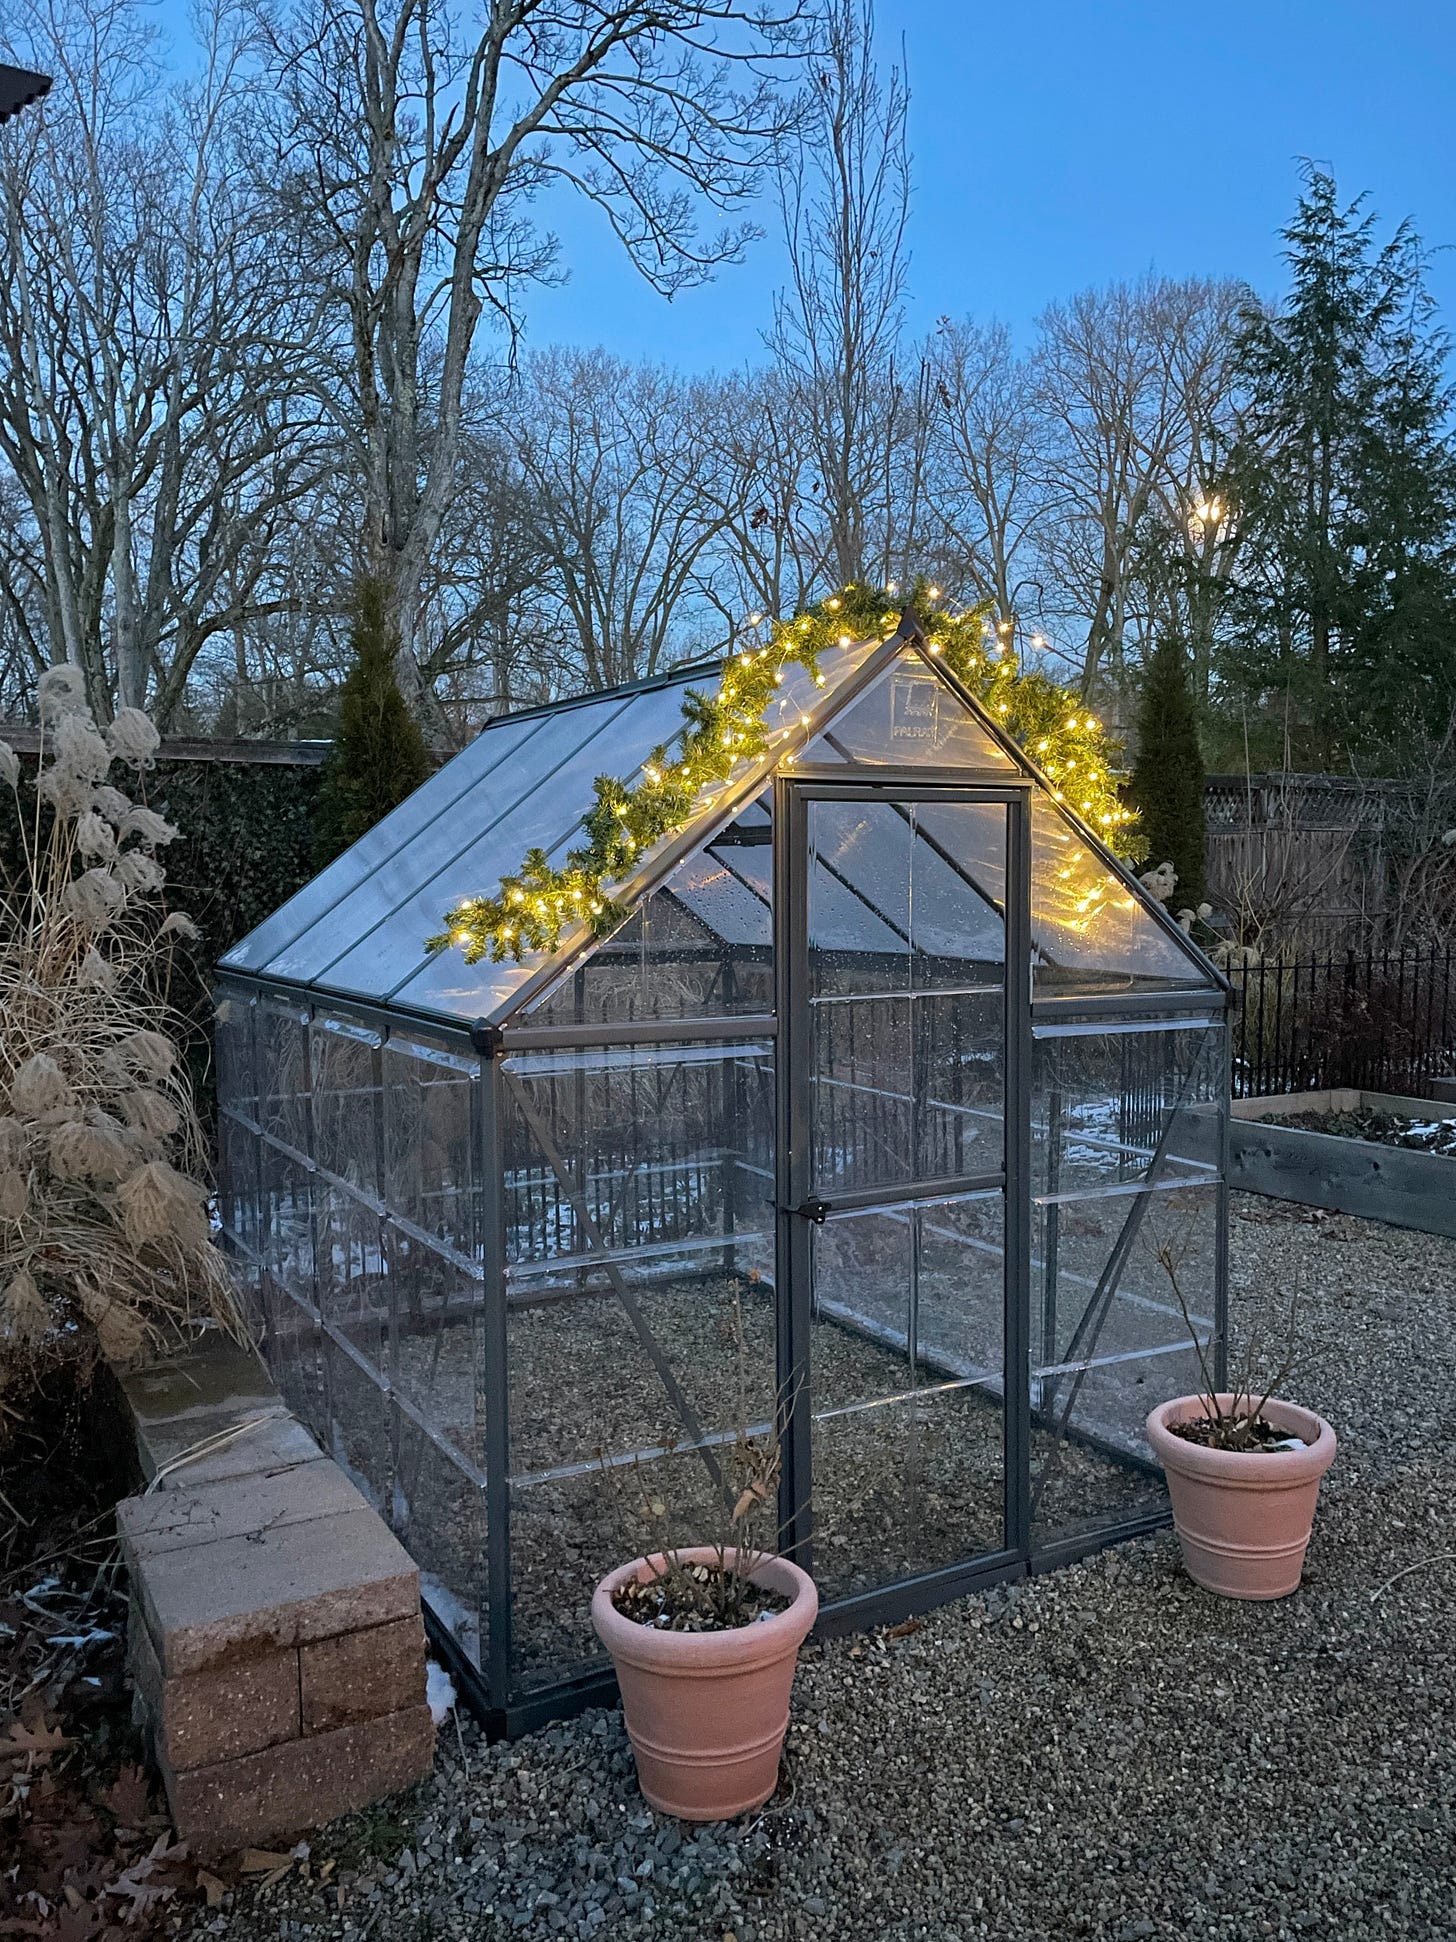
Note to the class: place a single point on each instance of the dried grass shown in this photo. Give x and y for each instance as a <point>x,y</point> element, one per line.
<point>105,1241</point>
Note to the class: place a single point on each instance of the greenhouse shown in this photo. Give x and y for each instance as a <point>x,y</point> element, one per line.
<point>893,1113</point>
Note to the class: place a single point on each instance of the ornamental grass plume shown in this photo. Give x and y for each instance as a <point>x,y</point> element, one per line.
<point>105,1242</point>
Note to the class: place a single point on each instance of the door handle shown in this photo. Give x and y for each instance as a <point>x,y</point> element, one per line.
<point>814,1210</point>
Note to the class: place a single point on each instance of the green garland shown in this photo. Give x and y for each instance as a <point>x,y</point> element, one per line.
<point>723,731</point>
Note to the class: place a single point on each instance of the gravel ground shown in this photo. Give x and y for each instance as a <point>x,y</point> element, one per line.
<point>1104,1752</point>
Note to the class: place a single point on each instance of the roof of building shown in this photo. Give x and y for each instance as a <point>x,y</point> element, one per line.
<point>19,87</point>
<point>358,930</point>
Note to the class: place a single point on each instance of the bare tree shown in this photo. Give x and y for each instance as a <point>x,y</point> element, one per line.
<point>150,409</point>
<point>844,190</point>
<point>631,486</point>
<point>1118,372</point>
<point>411,147</point>
<point>983,478</point>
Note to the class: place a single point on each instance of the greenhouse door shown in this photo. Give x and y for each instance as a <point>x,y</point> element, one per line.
<point>903,1007</point>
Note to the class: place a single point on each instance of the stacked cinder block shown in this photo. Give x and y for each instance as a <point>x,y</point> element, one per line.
<point>276,1640</point>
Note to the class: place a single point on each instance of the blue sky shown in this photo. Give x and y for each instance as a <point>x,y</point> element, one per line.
<point>1063,143</point>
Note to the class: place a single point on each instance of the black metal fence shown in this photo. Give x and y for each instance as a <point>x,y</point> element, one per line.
<point>1363,1019</point>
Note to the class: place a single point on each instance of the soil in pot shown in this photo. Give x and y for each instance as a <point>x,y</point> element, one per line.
<point>698,1598</point>
<point>1258,1436</point>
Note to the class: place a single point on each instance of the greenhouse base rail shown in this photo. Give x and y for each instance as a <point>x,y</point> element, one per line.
<point>857,1612</point>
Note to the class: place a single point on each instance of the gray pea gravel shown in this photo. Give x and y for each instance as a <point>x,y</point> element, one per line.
<point>1104,1752</point>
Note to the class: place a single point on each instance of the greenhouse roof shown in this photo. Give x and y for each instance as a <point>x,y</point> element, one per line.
<point>358,929</point>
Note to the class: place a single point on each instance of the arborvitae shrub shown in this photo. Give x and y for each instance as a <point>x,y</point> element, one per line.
<point>379,755</point>
<point>1168,776</point>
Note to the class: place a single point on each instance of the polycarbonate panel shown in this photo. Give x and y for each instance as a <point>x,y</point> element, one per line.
<point>367,947</point>
<point>908,716</point>
<point>438,1510</point>
<point>1091,932</point>
<point>428,814</point>
<point>909,1379</point>
<point>431,1171</point>
<point>280,1037</point>
<point>650,1153</point>
<point>345,1076</point>
<point>907,1043</point>
<point>548,818</point>
<point>1117,1102</point>
<point>1109,1340</point>
<point>701,946</point>
<point>352,1279</point>
<point>295,1353</point>
<point>232,1039</point>
<point>626,1405</point>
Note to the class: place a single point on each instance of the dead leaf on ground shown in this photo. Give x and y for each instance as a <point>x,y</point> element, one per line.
<point>129,1797</point>
<point>212,1888</point>
<point>21,1740</point>
<point>263,1861</point>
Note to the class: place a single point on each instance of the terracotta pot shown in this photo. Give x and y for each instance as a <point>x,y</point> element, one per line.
<point>707,1711</point>
<point>1243,1517</point>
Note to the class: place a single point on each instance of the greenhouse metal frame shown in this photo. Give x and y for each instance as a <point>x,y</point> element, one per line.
<point>883,1125</point>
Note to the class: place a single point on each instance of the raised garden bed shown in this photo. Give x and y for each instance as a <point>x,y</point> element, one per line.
<point>1385,1156</point>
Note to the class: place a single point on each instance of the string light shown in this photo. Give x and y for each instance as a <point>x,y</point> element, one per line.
<point>725,730</point>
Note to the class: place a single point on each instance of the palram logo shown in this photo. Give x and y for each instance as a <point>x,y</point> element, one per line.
<point>914,711</point>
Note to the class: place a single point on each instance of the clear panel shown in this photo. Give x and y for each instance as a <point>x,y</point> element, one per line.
<point>345,1073</point>
<point>352,1282</point>
<point>908,715</point>
<point>1117,1102</point>
<point>363,1426</point>
<point>644,1153</point>
<point>233,1053</point>
<point>281,1040</point>
<point>1108,1342</point>
<point>288,1234</point>
<point>908,1382</point>
<point>548,816</point>
<point>435,1314</point>
<point>294,1346</point>
<point>1090,931</point>
<point>422,826</point>
<point>432,1139</point>
<point>237,1183</point>
<point>908,1015</point>
<point>640,1336</point>
<point>372,909</point>
<point>701,946</point>
<point>439,1515</point>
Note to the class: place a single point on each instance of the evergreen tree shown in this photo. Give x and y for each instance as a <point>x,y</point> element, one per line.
<point>1168,777</point>
<point>379,754</point>
<point>1343,485</point>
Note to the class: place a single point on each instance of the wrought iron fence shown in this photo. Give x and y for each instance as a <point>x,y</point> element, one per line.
<point>1364,1019</point>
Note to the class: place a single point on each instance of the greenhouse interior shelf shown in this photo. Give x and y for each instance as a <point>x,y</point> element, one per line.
<point>875,1111</point>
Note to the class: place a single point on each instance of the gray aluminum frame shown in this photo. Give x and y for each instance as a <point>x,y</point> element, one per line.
<point>488,1686</point>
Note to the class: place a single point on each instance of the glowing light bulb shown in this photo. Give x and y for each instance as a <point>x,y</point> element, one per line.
<point>934,593</point>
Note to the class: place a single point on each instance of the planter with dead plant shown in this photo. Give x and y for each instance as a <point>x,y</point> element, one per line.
<point>105,1240</point>
<point>1243,1466</point>
<point>704,1631</point>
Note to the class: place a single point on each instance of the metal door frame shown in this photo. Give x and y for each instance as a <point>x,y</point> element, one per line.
<point>792,1240</point>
